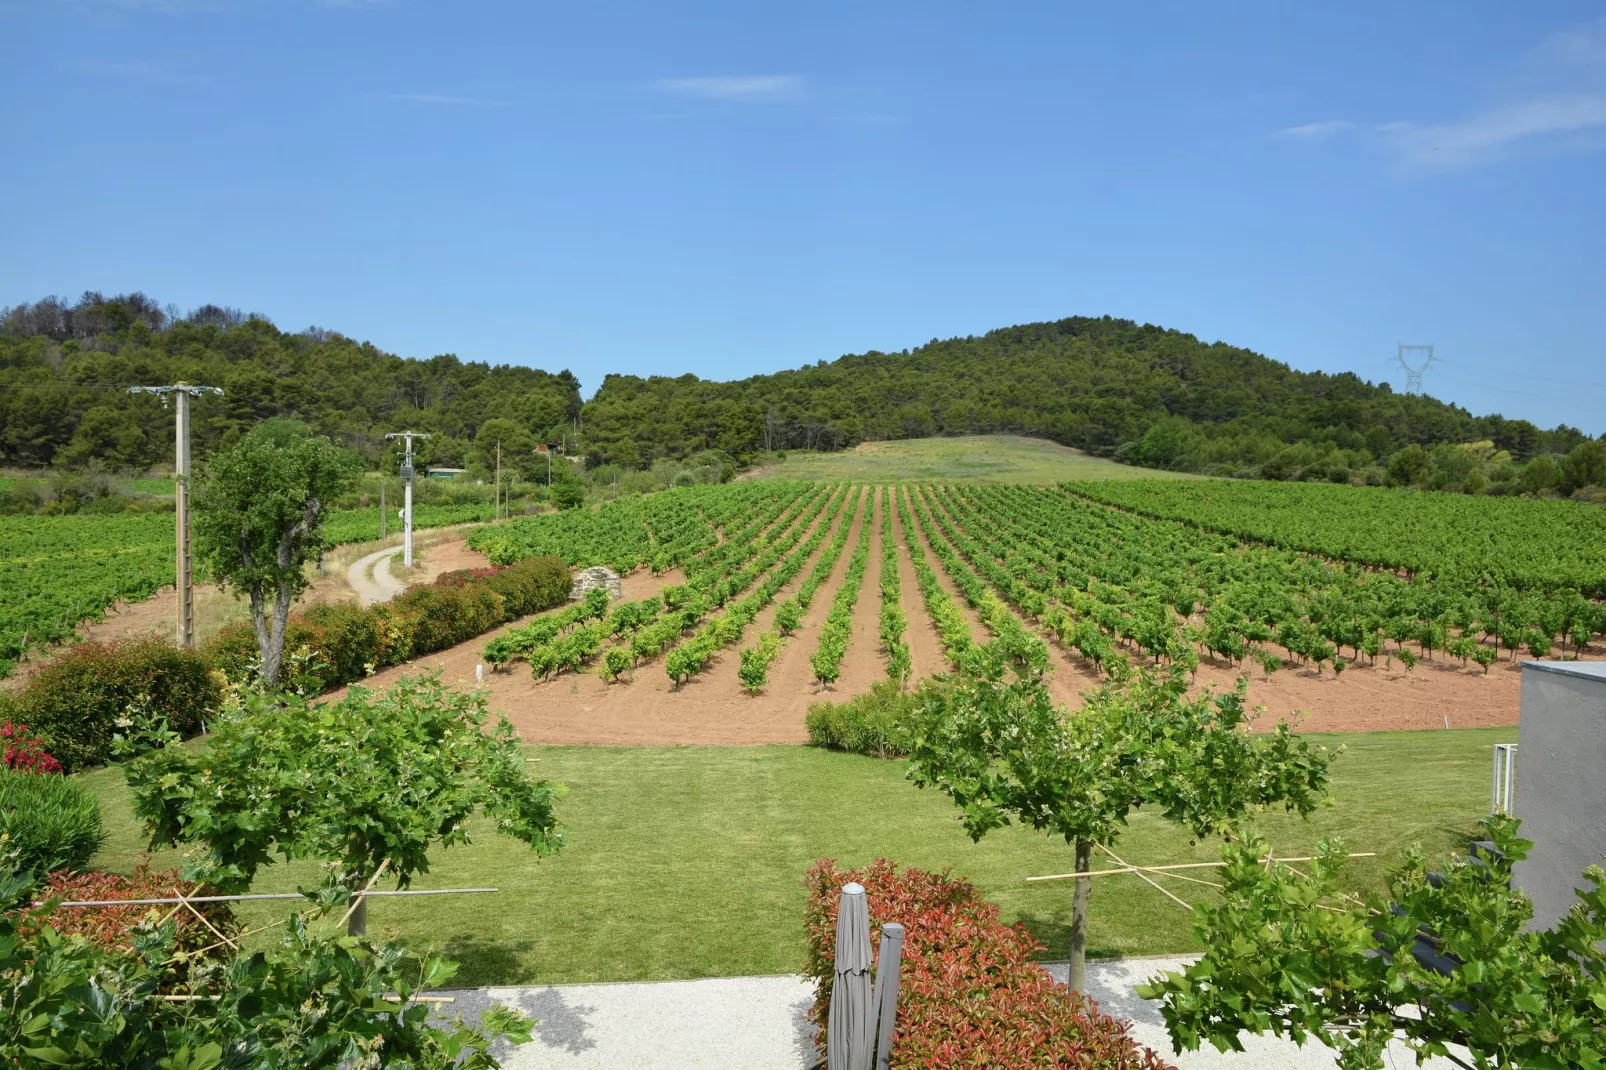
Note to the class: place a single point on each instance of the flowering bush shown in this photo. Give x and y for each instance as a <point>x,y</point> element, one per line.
<point>970,993</point>
<point>26,754</point>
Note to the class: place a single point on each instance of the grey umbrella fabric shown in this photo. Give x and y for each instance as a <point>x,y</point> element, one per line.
<point>850,1030</point>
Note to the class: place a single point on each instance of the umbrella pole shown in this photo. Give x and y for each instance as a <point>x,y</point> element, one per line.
<point>886,991</point>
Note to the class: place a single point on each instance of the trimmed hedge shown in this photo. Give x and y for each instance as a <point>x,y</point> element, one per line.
<point>73,704</point>
<point>328,646</point>
<point>46,823</point>
<point>970,993</point>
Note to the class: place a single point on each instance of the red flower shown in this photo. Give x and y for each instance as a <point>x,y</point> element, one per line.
<point>25,754</point>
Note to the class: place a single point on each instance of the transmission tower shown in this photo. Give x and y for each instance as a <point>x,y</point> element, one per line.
<point>1415,360</point>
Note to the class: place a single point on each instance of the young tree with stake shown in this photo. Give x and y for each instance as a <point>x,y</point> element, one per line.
<point>1004,751</point>
<point>259,520</point>
<point>377,779</point>
<point>1289,953</point>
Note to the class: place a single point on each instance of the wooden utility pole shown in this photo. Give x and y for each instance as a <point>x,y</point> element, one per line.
<point>382,517</point>
<point>496,511</point>
<point>183,563</point>
<point>407,493</point>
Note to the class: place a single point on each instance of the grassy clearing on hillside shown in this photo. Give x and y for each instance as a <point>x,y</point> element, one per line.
<point>986,458</point>
<point>688,861</point>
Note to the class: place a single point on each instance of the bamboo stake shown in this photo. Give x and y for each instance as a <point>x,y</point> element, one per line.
<point>1184,865</point>
<point>1148,880</point>
<point>356,900</point>
<point>255,896</point>
<point>387,999</point>
<point>204,921</point>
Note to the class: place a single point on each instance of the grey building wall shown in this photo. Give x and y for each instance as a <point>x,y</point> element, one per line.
<point>1561,781</point>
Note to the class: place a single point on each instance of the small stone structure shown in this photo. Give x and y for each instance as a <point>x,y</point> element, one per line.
<point>597,576</point>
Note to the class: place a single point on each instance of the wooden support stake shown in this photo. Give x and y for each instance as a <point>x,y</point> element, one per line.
<point>1184,865</point>
<point>1150,881</point>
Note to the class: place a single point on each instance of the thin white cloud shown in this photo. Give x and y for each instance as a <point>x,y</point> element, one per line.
<point>1582,47</point>
<point>145,71</point>
<point>735,87</point>
<point>1483,137</point>
<point>460,102</point>
<point>1560,102</point>
<point>1317,131</point>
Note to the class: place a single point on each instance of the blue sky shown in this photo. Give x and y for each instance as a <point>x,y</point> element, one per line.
<point>731,189</point>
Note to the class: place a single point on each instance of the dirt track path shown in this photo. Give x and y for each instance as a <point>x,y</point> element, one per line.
<point>863,664</point>
<point>791,677</point>
<point>925,644</point>
<point>1063,686</point>
<point>1069,676</point>
<point>438,550</point>
<point>722,673</point>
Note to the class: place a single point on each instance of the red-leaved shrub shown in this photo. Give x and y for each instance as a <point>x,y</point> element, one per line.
<point>111,927</point>
<point>24,753</point>
<point>970,993</point>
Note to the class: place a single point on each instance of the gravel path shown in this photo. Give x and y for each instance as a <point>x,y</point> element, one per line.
<point>371,577</point>
<point>757,1023</point>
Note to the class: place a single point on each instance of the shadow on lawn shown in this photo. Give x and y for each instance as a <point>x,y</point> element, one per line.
<point>1054,933</point>
<point>484,963</point>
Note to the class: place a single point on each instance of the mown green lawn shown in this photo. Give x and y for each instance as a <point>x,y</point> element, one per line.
<point>688,861</point>
<point>970,458</point>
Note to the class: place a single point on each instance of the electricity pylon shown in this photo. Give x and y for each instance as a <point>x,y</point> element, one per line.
<point>1415,360</point>
<point>407,490</point>
<point>184,562</point>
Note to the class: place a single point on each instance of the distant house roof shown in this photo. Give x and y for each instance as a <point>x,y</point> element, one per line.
<point>444,473</point>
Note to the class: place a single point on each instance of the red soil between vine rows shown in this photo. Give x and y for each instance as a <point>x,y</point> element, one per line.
<point>713,709</point>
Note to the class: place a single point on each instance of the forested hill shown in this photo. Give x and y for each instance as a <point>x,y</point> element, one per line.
<point>1138,393</point>
<point>1111,387</point>
<point>65,369</point>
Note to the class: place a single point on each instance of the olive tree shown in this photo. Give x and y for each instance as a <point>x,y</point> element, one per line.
<point>1003,751</point>
<point>1287,952</point>
<point>259,521</point>
<point>378,778</point>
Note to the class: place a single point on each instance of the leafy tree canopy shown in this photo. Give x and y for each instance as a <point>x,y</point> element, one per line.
<point>375,777</point>
<point>259,520</point>
<point>65,366</point>
<point>1289,953</point>
<point>1003,751</point>
<point>1100,384</point>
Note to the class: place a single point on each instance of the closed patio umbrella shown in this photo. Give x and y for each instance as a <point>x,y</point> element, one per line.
<point>850,1030</point>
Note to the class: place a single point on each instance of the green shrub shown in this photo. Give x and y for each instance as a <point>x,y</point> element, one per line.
<point>74,703</point>
<point>341,641</point>
<point>533,585</point>
<point>444,617</point>
<point>46,823</point>
<point>871,723</point>
<point>347,639</point>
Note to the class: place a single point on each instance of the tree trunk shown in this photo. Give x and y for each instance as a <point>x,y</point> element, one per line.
<point>269,652</point>
<point>1077,974</point>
